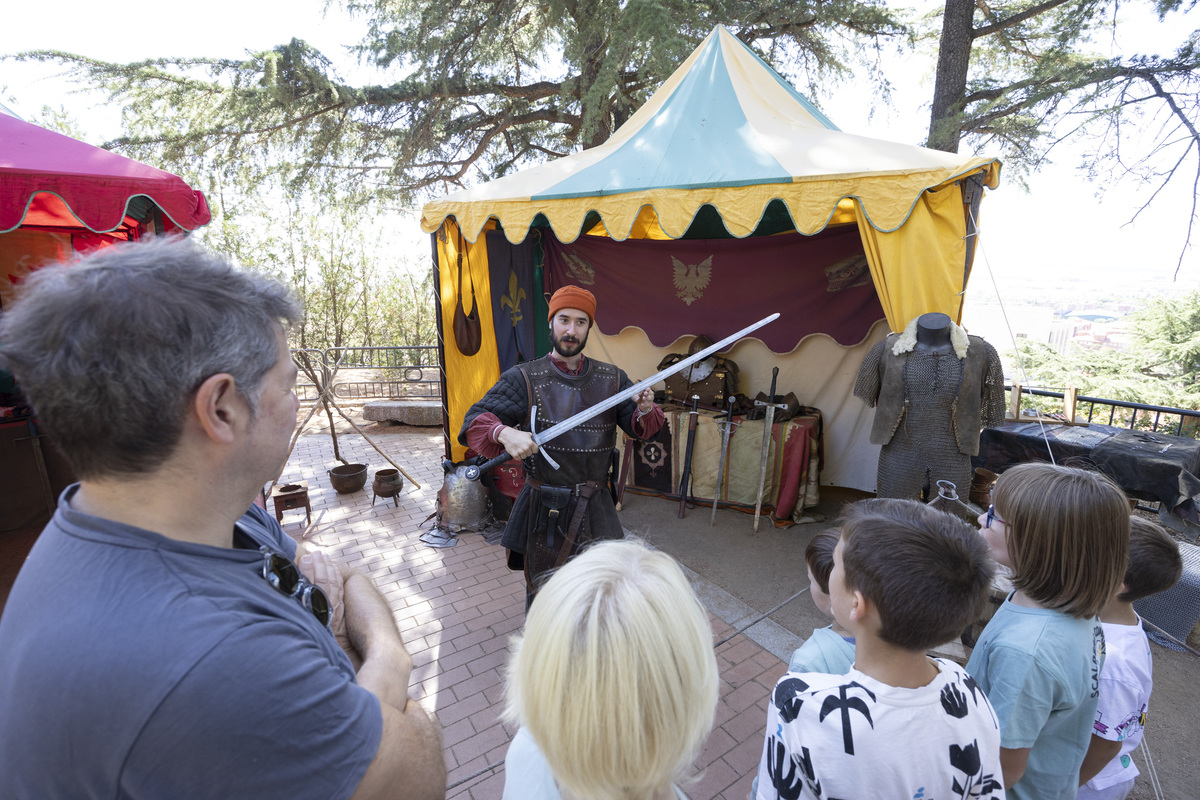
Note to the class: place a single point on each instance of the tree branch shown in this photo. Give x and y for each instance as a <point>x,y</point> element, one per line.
<point>1016,19</point>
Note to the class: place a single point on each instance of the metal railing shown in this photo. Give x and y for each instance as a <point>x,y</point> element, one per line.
<point>1135,416</point>
<point>392,372</point>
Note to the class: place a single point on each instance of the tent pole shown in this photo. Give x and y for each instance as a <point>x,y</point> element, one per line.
<point>441,336</point>
<point>972,196</point>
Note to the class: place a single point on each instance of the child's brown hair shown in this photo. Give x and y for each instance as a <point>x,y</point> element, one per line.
<point>819,555</point>
<point>1067,535</point>
<point>1155,564</point>
<point>927,572</point>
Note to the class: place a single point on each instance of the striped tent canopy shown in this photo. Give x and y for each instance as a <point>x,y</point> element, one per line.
<point>725,130</point>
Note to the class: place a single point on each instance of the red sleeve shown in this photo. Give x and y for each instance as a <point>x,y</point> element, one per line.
<point>481,435</point>
<point>649,423</point>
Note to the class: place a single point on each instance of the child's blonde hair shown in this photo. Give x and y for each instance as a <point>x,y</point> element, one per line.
<point>615,676</point>
<point>1067,535</point>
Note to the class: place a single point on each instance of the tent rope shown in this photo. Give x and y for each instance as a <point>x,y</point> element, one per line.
<point>979,250</point>
<point>1151,770</point>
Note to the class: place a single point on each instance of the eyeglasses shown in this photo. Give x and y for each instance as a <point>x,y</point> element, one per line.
<point>992,515</point>
<point>286,577</point>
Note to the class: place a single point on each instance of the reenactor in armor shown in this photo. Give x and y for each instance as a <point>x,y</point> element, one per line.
<point>562,508</point>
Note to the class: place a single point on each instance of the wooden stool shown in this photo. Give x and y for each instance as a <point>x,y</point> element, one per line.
<point>291,495</point>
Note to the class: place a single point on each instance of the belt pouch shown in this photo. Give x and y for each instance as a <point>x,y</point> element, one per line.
<point>553,506</point>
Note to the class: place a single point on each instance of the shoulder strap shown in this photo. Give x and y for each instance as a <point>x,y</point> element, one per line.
<point>528,392</point>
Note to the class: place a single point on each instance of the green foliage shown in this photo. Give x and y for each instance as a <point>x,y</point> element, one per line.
<point>472,89</point>
<point>356,288</point>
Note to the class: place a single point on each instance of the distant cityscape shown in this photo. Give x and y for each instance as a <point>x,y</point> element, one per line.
<point>1073,312</point>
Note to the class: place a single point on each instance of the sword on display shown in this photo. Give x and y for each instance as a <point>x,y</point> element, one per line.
<point>727,427</point>
<point>473,473</point>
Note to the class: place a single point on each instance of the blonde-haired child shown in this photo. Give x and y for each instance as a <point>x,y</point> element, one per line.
<point>614,682</point>
<point>1064,533</point>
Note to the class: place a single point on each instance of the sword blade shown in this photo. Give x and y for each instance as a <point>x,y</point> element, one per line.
<point>583,416</point>
<point>769,423</point>
<point>712,520</point>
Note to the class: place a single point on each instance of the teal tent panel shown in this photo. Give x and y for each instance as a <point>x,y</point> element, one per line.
<point>700,137</point>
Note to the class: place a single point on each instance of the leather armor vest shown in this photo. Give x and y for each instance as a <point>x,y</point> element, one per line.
<point>582,453</point>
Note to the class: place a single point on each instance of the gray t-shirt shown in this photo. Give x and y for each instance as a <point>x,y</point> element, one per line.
<point>136,666</point>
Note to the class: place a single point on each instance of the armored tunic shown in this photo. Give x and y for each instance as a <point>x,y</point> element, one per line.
<point>583,454</point>
<point>931,407</point>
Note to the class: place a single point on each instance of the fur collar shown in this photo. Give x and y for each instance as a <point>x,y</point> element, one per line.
<point>906,341</point>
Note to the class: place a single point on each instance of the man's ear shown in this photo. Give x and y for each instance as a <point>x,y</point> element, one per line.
<point>219,407</point>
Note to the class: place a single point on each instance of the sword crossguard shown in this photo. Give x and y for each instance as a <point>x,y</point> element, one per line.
<point>537,439</point>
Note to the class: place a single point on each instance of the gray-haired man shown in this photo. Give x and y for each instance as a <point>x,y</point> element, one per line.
<point>159,641</point>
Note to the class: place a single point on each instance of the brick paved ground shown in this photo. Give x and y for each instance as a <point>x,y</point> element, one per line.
<point>458,607</point>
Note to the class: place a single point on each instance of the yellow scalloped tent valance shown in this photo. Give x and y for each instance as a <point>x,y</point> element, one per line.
<point>886,201</point>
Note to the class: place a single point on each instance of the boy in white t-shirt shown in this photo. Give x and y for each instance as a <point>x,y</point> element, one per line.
<point>905,578</point>
<point>1126,680</point>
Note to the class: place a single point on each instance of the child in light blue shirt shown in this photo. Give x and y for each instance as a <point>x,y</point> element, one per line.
<point>1064,533</point>
<point>829,649</point>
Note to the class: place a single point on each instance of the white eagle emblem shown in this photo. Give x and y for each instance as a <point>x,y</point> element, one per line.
<point>580,270</point>
<point>691,279</point>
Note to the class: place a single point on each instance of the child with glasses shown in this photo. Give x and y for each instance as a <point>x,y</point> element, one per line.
<point>1064,533</point>
<point>1126,681</point>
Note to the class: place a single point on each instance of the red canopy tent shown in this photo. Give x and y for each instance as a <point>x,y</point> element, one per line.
<point>59,196</point>
<point>51,180</point>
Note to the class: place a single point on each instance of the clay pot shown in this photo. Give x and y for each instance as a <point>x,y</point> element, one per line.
<point>388,483</point>
<point>348,478</point>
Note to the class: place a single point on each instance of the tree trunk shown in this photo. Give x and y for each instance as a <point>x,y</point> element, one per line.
<point>950,83</point>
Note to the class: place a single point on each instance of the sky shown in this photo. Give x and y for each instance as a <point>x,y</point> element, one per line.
<point>1063,234</point>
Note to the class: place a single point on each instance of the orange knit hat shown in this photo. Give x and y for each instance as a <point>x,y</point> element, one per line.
<point>573,297</point>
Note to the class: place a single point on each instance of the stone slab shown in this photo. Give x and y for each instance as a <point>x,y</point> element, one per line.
<point>427,413</point>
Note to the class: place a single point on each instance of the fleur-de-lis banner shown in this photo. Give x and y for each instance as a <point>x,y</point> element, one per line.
<point>510,274</point>
<point>669,288</point>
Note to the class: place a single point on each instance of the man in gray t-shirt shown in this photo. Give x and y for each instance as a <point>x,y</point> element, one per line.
<point>161,640</point>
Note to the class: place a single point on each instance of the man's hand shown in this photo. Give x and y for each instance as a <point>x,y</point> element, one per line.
<point>517,443</point>
<point>319,568</point>
<point>644,400</point>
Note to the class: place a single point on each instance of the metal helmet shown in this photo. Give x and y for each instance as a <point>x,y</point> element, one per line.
<point>462,503</point>
<point>698,344</point>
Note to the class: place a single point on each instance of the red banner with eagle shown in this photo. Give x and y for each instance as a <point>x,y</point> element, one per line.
<point>672,287</point>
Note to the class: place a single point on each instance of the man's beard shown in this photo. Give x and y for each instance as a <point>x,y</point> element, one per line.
<point>568,349</point>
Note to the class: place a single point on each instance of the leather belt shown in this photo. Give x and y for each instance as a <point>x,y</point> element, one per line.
<point>576,489</point>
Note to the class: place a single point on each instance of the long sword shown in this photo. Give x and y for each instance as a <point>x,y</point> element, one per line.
<point>726,431</point>
<point>554,431</point>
